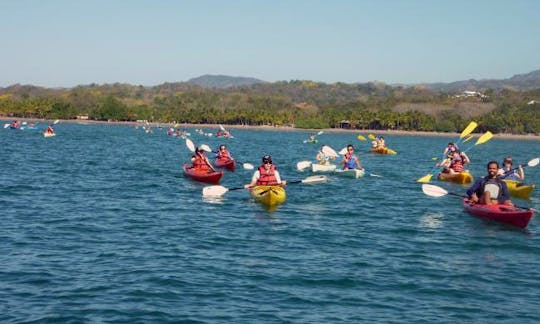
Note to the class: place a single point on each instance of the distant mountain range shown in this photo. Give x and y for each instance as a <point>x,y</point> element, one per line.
<point>521,82</point>
<point>222,81</point>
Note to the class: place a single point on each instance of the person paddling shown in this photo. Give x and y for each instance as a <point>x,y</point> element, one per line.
<point>266,175</point>
<point>455,163</point>
<point>49,130</point>
<point>490,190</point>
<point>322,158</point>
<point>200,161</point>
<point>350,161</point>
<point>509,173</point>
<point>223,154</point>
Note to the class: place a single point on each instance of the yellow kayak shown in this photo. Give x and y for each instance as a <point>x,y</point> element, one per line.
<point>462,177</point>
<point>383,150</point>
<point>269,195</point>
<point>518,189</point>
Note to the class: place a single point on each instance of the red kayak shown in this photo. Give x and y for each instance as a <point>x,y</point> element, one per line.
<point>202,176</point>
<point>502,213</point>
<point>225,164</point>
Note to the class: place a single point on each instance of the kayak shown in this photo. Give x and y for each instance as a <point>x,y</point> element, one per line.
<point>225,164</point>
<point>49,134</point>
<point>383,150</point>
<point>501,213</point>
<point>269,195</point>
<point>518,189</point>
<point>202,176</point>
<point>352,173</point>
<point>315,141</point>
<point>315,167</point>
<point>462,177</point>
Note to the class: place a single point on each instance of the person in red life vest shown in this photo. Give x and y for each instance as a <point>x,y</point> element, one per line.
<point>49,130</point>
<point>266,175</point>
<point>223,154</point>
<point>350,161</point>
<point>200,162</point>
<point>490,190</point>
<point>455,163</point>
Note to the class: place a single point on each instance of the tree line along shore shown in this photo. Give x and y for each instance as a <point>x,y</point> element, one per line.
<point>296,104</point>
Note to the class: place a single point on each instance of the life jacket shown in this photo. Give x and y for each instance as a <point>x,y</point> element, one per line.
<point>350,163</point>
<point>497,182</point>
<point>457,165</point>
<point>223,156</point>
<point>199,163</point>
<point>267,177</point>
<point>50,130</point>
<point>510,174</point>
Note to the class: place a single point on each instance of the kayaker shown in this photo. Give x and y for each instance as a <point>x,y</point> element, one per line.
<point>49,130</point>
<point>200,161</point>
<point>381,143</point>
<point>450,149</point>
<point>509,173</point>
<point>455,163</point>
<point>322,158</point>
<point>266,175</point>
<point>350,161</point>
<point>223,154</point>
<point>490,190</point>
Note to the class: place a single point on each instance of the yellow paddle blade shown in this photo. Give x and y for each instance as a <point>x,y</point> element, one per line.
<point>467,139</point>
<point>360,137</point>
<point>371,137</point>
<point>469,129</point>
<point>484,138</point>
<point>425,179</point>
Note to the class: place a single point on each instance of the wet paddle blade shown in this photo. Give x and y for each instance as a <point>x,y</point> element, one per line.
<point>484,138</point>
<point>425,179</point>
<point>329,151</point>
<point>360,137</point>
<point>433,191</point>
<point>248,166</point>
<point>302,165</point>
<point>469,129</point>
<point>214,191</point>
<point>533,162</point>
<point>315,179</point>
<point>222,128</point>
<point>190,145</point>
<point>320,133</point>
<point>56,121</point>
<point>371,137</point>
<point>343,151</point>
<point>6,125</point>
<point>206,148</point>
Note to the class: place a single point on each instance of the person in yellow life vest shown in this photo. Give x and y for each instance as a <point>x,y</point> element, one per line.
<point>200,161</point>
<point>266,175</point>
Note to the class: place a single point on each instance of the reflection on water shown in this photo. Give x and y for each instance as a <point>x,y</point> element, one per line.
<point>432,220</point>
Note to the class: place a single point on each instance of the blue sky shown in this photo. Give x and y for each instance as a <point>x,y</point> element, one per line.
<point>61,43</point>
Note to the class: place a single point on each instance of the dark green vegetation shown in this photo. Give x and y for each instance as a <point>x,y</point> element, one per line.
<point>303,104</point>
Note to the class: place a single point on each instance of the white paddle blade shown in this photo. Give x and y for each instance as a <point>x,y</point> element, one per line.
<point>206,148</point>
<point>315,179</point>
<point>248,166</point>
<point>534,162</point>
<point>343,151</point>
<point>320,133</point>
<point>300,166</point>
<point>56,121</point>
<point>214,191</point>
<point>433,191</point>
<point>329,151</point>
<point>6,125</point>
<point>190,145</point>
<point>222,128</point>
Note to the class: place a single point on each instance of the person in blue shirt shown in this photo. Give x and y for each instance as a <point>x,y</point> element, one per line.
<point>490,190</point>
<point>350,161</point>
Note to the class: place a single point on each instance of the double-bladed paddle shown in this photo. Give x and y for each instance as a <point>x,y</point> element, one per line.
<point>217,191</point>
<point>532,163</point>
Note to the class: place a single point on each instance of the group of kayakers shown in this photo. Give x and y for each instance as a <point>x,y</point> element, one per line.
<point>378,143</point>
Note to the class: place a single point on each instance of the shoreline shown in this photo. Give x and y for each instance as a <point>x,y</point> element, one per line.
<point>531,137</point>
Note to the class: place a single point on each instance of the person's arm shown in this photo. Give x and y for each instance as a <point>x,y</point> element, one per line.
<point>466,159</point>
<point>358,163</point>
<point>471,193</point>
<point>278,179</point>
<point>520,173</point>
<point>209,164</point>
<point>505,195</point>
<point>254,179</point>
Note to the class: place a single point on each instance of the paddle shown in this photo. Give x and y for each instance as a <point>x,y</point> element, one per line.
<point>371,137</point>
<point>532,163</point>
<point>6,125</point>
<point>469,129</point>
<point>436,191</point>
<point>467,139</point>
<point>481,140</point>
<point>217,191</point>
<point>300,166</point>
<point>329,151</point>
<point>360,137</point>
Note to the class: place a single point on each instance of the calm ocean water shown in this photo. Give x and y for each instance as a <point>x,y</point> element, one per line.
<point>99,225</point>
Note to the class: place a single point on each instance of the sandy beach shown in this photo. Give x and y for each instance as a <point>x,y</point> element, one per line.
<point>532,137</point>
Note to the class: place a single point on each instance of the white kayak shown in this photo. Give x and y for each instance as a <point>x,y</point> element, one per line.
<point>49,134</point>
<point>315,167</point>
<point>353,173</point>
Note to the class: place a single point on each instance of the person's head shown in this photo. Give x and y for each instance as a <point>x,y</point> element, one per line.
<point>350,148</point>
<point>492,168</point>
<point>222,147</point>
<point>199,150</point>
<point>267,161</point>
<point>508,161</point>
